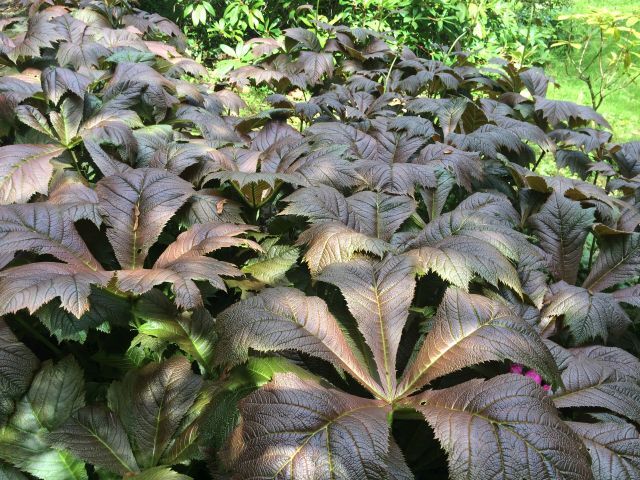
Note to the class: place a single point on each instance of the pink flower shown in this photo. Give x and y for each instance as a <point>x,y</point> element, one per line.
<point>535,376</point>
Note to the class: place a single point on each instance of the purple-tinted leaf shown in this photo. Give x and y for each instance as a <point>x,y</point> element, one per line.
<point>562,226</point>
<point>614,449</point>
<point>470,329</point>
<point>317,433</point>
<point>378,295</point>
<point>503,428</point>
<point>137,205</point>
<point>25,170</point>
<point>286,319</point>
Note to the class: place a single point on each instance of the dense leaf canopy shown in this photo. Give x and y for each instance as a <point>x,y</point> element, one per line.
<point>292,293</point>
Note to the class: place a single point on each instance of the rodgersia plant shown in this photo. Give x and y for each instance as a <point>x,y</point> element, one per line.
<point>367,280</point>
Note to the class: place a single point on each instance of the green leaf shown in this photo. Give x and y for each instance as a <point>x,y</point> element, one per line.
<point>18,366</point>
<point>97,436</point>
<point>57,392</point>
<point>193,332</point>
<point>271,266</point>
<point>152,403</point>
<point>160,473</point>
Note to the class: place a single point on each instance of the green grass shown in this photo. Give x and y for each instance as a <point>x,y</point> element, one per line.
<point>622,108</point>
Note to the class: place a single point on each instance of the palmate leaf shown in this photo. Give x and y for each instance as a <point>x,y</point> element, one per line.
<point>96,435</point>
<point>503,428</point>
<point>378,295</point>
<point>614,449</point>
<point>137,205</point>
<point>57,391</point>
<point>587,315</point>
<point>476,238</point>
<point>470,329</point>
<point>25,170</point>
<point>618,261</point>
<point>185,260</point>
<point>152,403</point>
<point>149,413</point>
<point>317,433</point>
<point>285,319</point>
<point>598,377</point>
<point>562,226</point>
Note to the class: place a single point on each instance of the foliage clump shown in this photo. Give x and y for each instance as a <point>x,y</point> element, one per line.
<point>188,291</point>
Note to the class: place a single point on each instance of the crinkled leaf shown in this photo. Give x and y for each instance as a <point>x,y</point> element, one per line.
<point>378,295</point>
<point>136,206</point>
<point>97,436</point>
<point>31,286</point>
<point>334,242</point>
<point>286,319</point>
<point>25,170</point>
<point>618,261</point>
<point>152,403</point>
<point>614,449</point>
<point>587,315</point>
<point>503,428</point>
<point>562,226</point>
<point>293,428</point>
<point>470,329</point>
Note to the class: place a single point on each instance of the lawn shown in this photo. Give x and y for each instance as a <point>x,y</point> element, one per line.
<point>622,108</point>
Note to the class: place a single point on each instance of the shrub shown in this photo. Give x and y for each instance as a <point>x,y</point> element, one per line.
<point>518,28</point>
<point>288,294</point>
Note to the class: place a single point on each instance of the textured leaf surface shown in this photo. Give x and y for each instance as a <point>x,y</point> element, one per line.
<point>587,315</point>
<point>614,449</point>
<point>618,261</point>
<point>293,428</point>
<point>470,329</point>
<point>152,402</point>
<point>329,243</point>
<point>31,286</point>
<point>286,319</point>
<point>97,436</point>
<point>56,392</point>
<point>25,170</point>
<point>137,205</point>
<point>378,295</point>
<point>503,428</point>
<point>562,226</point>
<point>599,377</point>
<point>43,229</point>
<point>18,366</point>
